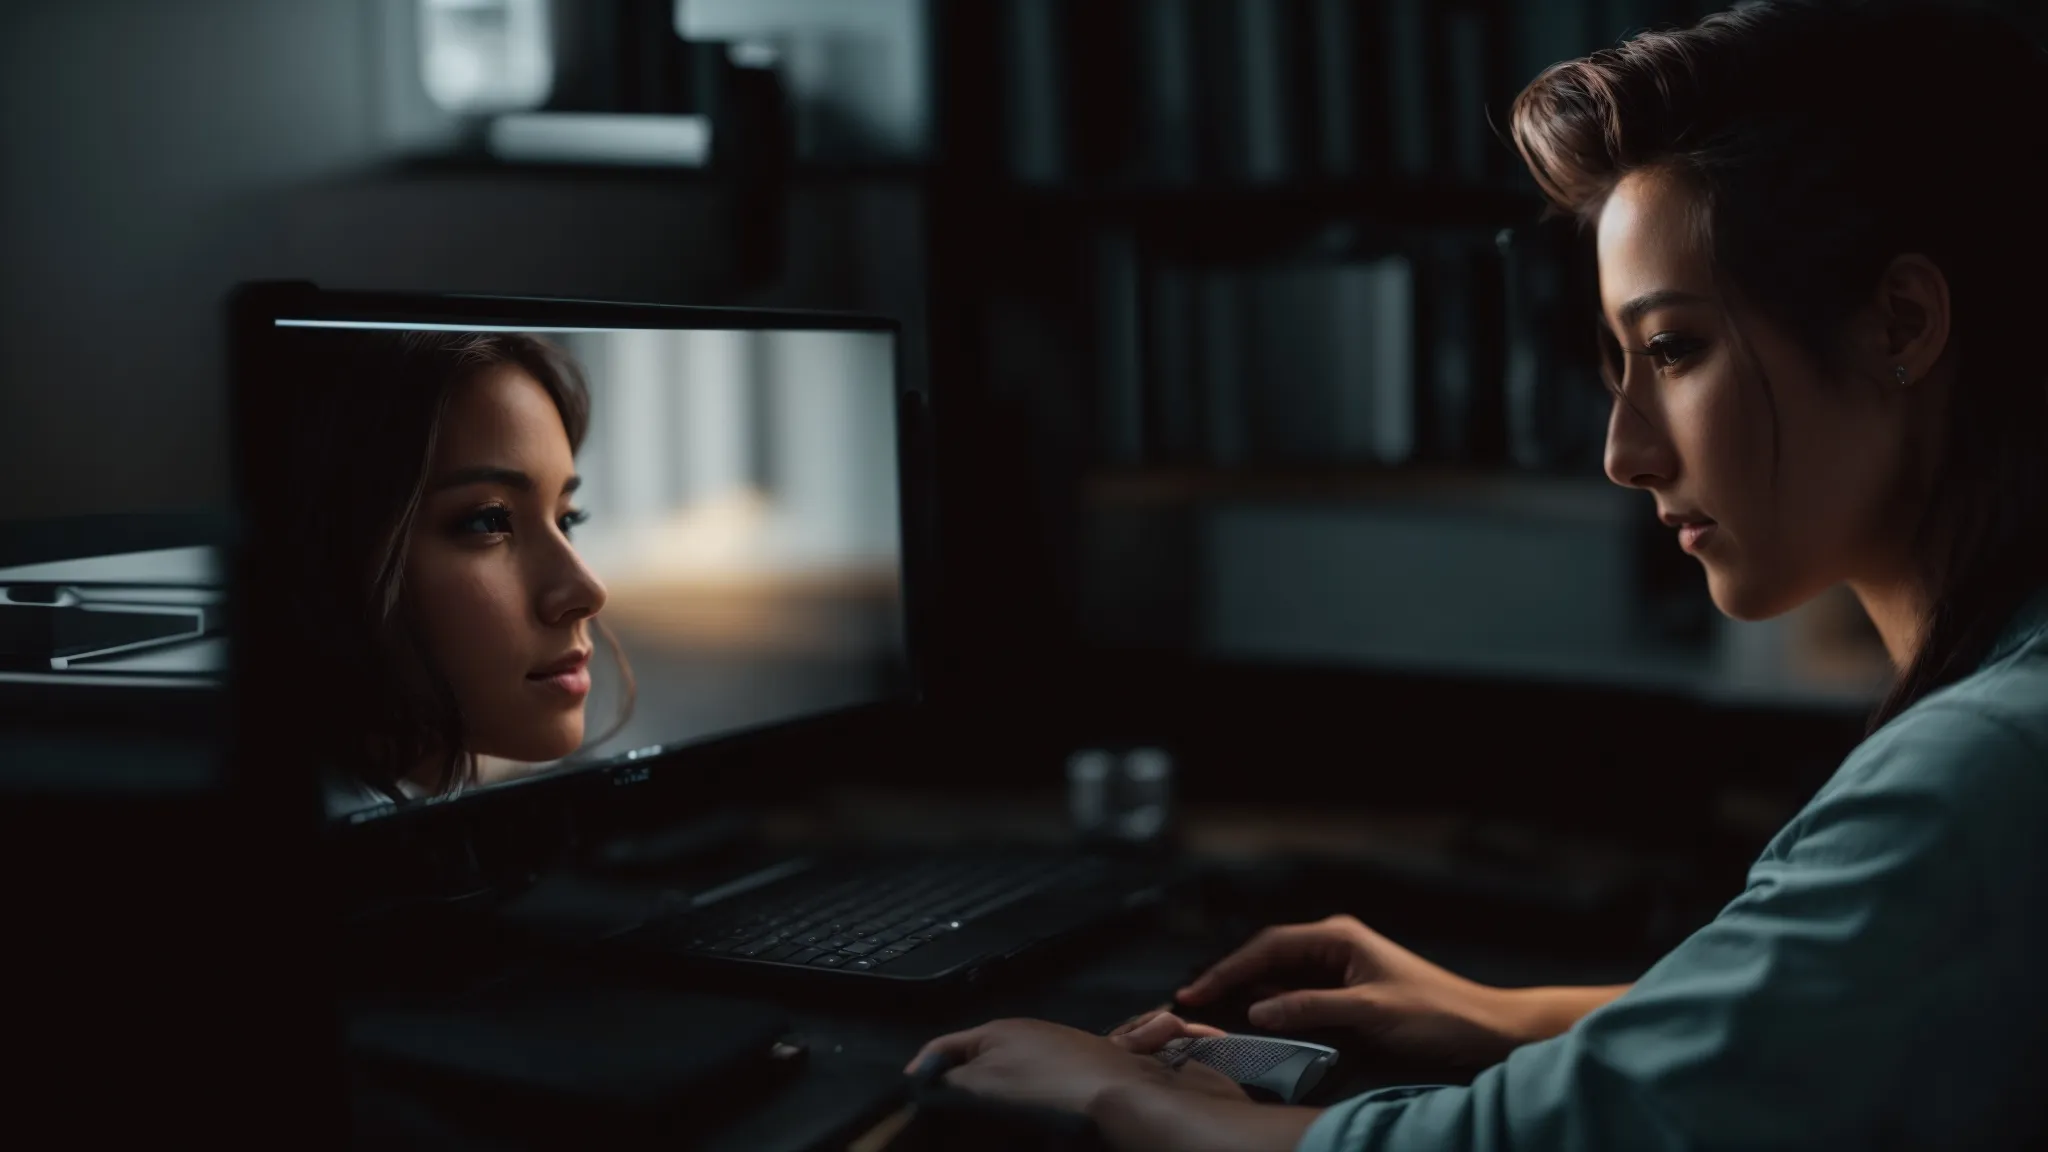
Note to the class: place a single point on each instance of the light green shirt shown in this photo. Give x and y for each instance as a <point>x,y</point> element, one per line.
<point>1881,982</point>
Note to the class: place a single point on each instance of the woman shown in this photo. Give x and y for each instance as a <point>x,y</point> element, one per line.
<point>446,616</point>
<point>1820,243</point>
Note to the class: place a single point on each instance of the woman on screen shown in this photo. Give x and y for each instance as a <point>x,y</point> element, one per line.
<point>447,617</point>
<point>1821,247</point>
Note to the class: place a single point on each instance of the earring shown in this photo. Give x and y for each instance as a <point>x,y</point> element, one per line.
<point>1901,372</point>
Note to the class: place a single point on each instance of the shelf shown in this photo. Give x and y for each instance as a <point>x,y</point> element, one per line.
<point>1698,675</point>
<point>469,163</point>
<point>1454,489</point>
<point>1230,218</point>
<point>450,226</point>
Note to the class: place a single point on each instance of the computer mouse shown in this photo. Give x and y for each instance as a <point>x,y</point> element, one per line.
<point>1284,1071</point>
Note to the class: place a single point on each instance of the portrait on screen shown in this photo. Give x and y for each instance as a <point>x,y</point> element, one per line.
<point>527,551</point>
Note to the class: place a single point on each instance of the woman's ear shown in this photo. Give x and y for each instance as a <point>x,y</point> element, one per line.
<point>1912,313</point>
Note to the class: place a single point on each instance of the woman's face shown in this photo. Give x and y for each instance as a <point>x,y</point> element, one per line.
<point>491,576</point>
<point>1694,428</point>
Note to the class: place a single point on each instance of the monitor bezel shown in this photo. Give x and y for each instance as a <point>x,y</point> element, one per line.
<point>258,670</point>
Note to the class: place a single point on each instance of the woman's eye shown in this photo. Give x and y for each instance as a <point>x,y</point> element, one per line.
<point>487,521</point>
<point>570,520</point>
<point>1671,351</point>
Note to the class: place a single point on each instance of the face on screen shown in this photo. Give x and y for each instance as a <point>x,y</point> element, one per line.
<point>580,543</point>
<point>492,577</point>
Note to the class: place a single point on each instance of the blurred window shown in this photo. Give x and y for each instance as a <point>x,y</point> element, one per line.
<point>483,56</point>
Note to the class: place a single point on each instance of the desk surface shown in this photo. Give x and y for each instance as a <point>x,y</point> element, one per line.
<point>852,1080</point>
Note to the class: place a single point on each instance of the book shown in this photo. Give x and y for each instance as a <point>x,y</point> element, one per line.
<point>1119,343</point>
<point>1289,373</point>
<point>1522,385</point>
<point>1352,303</point>
<point>1392,420</point>
<point>1221,365</point>
<point>1338,35</point>
<point>1266,32</point>
<point>1469,138</point>
<point>1174,403</point>
<point>1449,413</point>
<point>1554,405</point>
<point>1331,365</point>
<point>1034,110</point>
<point>1165,87</point>
<point>1248,68</point>
<point>1410,110</point>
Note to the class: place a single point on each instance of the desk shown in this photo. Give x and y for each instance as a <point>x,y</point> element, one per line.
<point>853,1077</point>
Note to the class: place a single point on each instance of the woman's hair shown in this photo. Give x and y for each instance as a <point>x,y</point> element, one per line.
<point>369,407</point>
<point>1819,141</point>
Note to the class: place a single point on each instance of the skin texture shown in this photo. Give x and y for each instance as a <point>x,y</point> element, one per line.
<point>1136,1101</point>
<point>1692,425</point>
<point>491,575</point>
<point>1364,982</point>
<point>1821,483</point>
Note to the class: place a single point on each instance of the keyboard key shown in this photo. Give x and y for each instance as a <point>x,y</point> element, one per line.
<point>863,948</point>
<point>782,951</point>
<point>807,955</point>
<point>754,948</point>
<point>861,965</point>
<point>886,955</point>
<point>830,960</point>
<point>841,941</point>
<point>905,944</point>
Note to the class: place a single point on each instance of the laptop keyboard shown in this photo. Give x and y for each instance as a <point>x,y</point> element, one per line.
<point>877,915</point>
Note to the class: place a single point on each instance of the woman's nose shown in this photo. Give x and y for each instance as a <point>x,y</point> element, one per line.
<point>1638,455</point>
<point>575,592</point>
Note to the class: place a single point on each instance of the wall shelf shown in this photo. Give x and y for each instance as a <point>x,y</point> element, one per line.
<point>1443,488</point>
<point>1233,221</point>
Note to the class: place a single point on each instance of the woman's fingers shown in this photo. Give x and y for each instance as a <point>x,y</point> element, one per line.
<point>950,1050</point>
<point>1358,1007</point>
<point>1156,1032</point>
<point>1140,1018</point>
<point>1153,1034</point>
<point>1282,946</point>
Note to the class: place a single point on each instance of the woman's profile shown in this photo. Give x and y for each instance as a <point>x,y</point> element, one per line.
<point>442,605</point>
<point>1821,248</point>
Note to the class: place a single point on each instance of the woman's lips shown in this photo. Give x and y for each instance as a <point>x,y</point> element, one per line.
<point>570,678</point>
<point>1690,536</point>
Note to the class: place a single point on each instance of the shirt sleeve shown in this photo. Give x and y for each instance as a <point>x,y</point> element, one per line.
<point>1791,1020</point>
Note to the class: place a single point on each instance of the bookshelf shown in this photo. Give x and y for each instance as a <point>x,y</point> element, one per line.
<point>1226,222</point>
<point>1101,188</point>
<point>1578,498</point>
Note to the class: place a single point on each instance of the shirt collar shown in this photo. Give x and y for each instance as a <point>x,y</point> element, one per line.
<point>2028,622</point>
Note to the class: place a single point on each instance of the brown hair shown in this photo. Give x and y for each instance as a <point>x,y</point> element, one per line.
<point>369,411</point>
<point>1820,141</point>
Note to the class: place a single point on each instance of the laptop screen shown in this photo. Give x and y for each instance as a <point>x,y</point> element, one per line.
<point>528,550</point>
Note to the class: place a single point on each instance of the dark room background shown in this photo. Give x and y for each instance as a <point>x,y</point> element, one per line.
<point>1268,428</point>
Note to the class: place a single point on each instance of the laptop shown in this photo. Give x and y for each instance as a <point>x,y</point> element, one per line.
<point>519,572</point>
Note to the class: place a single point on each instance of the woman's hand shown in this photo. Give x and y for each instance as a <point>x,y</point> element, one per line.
<point>1053,1066</point>
<point>1384,992</point>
